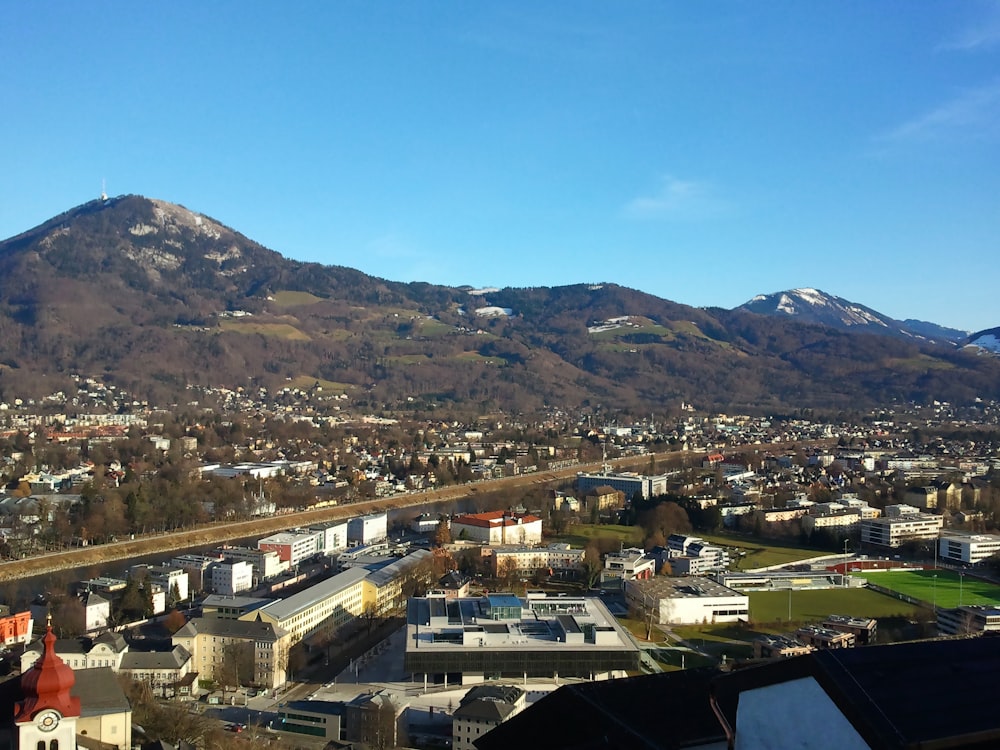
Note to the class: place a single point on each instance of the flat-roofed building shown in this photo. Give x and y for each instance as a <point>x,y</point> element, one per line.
<point>779,647</point>
<point>628,483</point>
<point>687,600</point>
<point>292,547</point>
<point>472,640</point>
<point>971,549</point>
<point>336,602</point>
<point>15,628</point>
<point>266,563</point>
<point>333,536</point>
<point>231,577</point>
<point>892,532</point>
<point>968,620</point>
<point>628,564</point>
<point>820,637</point>
<point>692,555</point>
<point>368,529</point>
<point>864,629</point>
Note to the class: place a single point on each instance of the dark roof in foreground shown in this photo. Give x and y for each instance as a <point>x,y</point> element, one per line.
<point>653,712</point>
<point>882,690</point>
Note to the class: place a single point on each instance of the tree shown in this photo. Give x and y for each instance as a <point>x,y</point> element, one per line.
<point>237,667</point>
<point>174,621</point>
<point>442,534</point>
<point>506,572</point>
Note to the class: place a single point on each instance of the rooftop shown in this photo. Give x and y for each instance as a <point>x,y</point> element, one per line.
<point>285,608</point>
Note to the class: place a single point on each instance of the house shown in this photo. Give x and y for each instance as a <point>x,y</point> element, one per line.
<point>483,708</point>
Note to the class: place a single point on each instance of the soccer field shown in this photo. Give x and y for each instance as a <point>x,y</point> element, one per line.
<point>811,605</point>
<point>946,588</point>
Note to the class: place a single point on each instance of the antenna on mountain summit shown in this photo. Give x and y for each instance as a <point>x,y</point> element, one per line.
<point>104,194</point>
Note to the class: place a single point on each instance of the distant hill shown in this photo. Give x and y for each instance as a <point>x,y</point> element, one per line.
<point>153,297</point>
<point>814,306</point>
<point>985,341</point>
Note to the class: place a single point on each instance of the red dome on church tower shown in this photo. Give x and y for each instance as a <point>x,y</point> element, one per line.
<point>47,685</point>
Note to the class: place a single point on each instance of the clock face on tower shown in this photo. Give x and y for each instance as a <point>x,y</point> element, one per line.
<point>47,720</point>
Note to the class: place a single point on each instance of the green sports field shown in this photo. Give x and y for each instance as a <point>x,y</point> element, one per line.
<point>946,588</point>
<point>812,605</point>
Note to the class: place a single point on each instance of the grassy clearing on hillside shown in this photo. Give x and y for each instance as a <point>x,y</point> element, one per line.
<point>305,382</point>
<point>430,328</point>
<point>948,589</point>
<point>271,330</point>
<point>477,357</point>
<point>288,298</point>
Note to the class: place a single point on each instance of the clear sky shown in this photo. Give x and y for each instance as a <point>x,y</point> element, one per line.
<point>704,152</point>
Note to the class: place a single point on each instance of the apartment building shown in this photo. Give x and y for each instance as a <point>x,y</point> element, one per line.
<point>894,531</point>
<point>207,639</point>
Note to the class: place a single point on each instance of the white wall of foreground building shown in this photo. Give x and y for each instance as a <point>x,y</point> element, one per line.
<point>968,548</point>
<point>796,714</point>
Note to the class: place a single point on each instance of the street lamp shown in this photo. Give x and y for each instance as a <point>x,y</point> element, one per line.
<point>961,580</point>
<point>934,581</point>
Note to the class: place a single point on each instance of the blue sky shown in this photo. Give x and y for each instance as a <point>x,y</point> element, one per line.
<point>704,152</point>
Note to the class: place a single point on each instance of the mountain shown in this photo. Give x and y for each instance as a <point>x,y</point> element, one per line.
<point>815,306</point>
<point>985,341</point>
<point>157,299</point>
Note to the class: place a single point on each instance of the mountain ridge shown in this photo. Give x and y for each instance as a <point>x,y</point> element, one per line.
<point>157,298</point>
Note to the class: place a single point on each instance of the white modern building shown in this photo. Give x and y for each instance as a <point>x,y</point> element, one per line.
<point>688,600</point>
<point>628,483</point>
<point>627,565</point>
<point>292,547</point>
<point>894,531</point>
<point>266,563</point>
<point>333,536</point>
<point>230,577</point>
<point>970,549</point>
<point>368,529</point>
<point>174,581</point>
<point>692,555</point>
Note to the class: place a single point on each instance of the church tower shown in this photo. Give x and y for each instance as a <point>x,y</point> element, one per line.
<point>46,718</point>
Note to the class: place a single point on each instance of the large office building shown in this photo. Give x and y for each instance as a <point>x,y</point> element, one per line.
<point>292,547</point>
<point>892,532</point>
<point>334,602</point>
<point>500,636</point>
<point>970,549</point>
<point>968,620</point>
<point>628,483</point>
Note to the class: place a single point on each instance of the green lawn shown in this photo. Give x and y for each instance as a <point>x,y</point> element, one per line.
<point>760,554</point>
<point>943,587</point>
<point>771,607</point>
<point>579,534</point>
